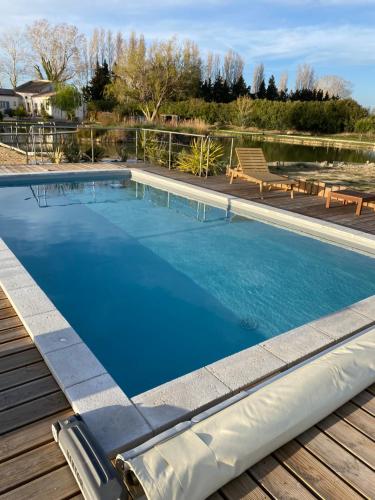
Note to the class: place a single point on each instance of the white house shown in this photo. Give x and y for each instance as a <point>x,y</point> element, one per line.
<point>35,97</point>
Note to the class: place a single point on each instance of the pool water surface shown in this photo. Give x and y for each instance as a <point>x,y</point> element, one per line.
<point>158,285</point>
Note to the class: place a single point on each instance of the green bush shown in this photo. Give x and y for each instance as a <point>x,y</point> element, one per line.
<point>201,156</point>
<point>365,125</point>
<point>97,152</point>
<point>72,151</point>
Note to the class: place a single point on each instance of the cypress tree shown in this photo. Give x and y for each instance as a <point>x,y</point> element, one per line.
<point>262,91</point>
<point>272,93</point>
<point>95,90</point>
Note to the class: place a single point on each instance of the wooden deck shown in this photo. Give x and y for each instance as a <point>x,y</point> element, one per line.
<point>313,206</point>
<point>31,463</point>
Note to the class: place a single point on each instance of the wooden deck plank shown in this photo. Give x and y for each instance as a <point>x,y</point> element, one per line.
<point>32,411</point>
<point>30,436</point>
<point>366,401</point>
<point>11,322</point>
<point>13,334</point>
<point>26,392</point>
<point>15,346</point>
<point>345,465</point>
<point>19,359</point>
<point>57,485</point>
<point>23,375</point>
<point>356,443</point>
<point>309,470</point>
<point>243,488</point>
<point>277,481</point>
<point>358,418</point>
<point>7,312</point>
<point>30,465</point>
<point>4,303</point>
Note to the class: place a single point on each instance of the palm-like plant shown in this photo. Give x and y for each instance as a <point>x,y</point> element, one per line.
<point>205,155</point>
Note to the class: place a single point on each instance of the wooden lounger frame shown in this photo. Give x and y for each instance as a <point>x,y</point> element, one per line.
<point>252,166</point>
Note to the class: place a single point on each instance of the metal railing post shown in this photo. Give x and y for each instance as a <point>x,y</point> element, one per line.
<point>170,151</point>
<point>144,145</point>
<point>92,144</point>
<point>201,158</point>
<point>208,155</point>
<point>136,144</point>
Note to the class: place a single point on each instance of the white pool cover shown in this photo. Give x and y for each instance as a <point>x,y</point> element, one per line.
<point>199,460</point>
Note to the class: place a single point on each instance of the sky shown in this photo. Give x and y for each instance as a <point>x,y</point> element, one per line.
<point>335,36</point>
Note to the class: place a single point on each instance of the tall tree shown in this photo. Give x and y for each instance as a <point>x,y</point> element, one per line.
<point>305,79</point>
<point>239,88</point>
<point>232,67</point>
<point>262,92</point>
<point>148,76</point>
<point>335,86</point>
<point>272,93</point>
<point>96,89</point>
<point>57,49</point>
<point>13,55</point>
<point>258,78</point>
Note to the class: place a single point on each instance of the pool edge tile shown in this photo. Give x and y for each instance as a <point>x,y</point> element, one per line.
<point>110,415</point>
<point>180,398</point>
<point>246,367</point>
<point>298,344</point>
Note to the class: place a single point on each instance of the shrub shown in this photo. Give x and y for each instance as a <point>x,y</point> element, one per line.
<point>72,151</point>
<point>155,148</point>
<point>20,112</point>
<point>209,151</point>
<point>122,152</point>
<point>365,125</point>
<point>96,153</point>
<point>57,155</point>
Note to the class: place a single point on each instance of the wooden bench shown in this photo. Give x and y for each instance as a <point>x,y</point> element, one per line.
<point>349,195</point>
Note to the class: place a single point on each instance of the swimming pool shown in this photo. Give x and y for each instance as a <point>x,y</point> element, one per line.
<point>158,285</point>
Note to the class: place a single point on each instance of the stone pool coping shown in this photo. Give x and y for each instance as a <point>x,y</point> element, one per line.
<point>120,423</point>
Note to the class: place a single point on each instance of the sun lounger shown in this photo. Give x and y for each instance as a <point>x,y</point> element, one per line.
<point>252,166</point>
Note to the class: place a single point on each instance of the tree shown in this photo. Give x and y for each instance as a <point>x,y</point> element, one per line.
<point>243,108</point>
<point>262,92</point>
<point>57,48</point>
<point>13,55</point>
<point>239,88</point>
<point>335,86</point>
<point>148,76</point>
<point>233,67</point>
<point>221,90</point>
<point>305,79</point>
<point>96,89</point>
<point>258,78</point>
<point>67,99</point>
<point>283,82</point>
<point>272,93</point>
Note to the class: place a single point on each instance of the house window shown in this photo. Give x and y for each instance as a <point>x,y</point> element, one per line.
<point>4,104</point>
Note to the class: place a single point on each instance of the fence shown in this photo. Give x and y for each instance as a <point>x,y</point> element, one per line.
<point>47,142</point>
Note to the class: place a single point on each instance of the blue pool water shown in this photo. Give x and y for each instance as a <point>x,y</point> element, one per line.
<point>158,285</point>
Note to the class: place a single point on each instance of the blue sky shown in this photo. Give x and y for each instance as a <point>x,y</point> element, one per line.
<point>335,36</point>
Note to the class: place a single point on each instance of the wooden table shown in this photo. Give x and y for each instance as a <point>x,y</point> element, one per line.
<point>350,195</point>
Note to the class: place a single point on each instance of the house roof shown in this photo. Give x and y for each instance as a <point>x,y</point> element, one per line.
<point>34,87</point>
<point>8,92</point>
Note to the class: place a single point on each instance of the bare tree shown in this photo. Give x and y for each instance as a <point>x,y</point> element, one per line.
<point>13,55</point>
<point>148,75</point>
<point>212,66</point>
<point>244,105</point>
<point>258,78</point>
<point>57,49</point>
<point>110,49</point>
<point>119,46</point>
<point>233,67</point>
<point>191,69</point>
<point>335,86</point>
<point>102,45</point>
<point>283,82</point>
<point>305,79</point>
<point>94,51</point>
